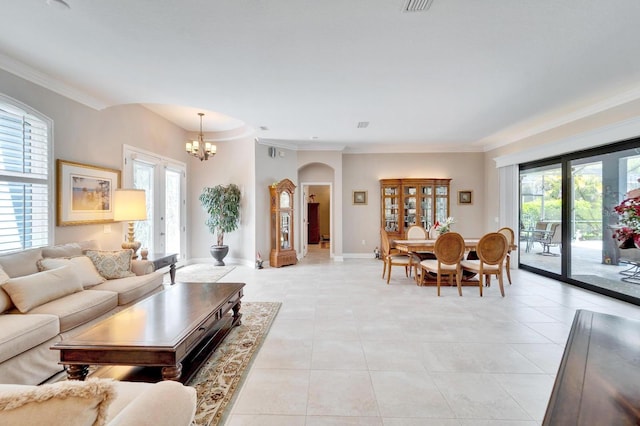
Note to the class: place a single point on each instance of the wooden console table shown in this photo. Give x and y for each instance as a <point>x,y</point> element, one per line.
<point>598,379</point>
<point>160,260</point>
<point>179,324</point>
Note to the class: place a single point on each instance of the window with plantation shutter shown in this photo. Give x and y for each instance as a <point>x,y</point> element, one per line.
<point>24,178</point>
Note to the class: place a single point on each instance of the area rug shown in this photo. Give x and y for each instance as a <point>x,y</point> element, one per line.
<point>226,369</point>
<point>199,273</point>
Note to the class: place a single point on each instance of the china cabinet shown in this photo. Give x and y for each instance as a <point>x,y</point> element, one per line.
<point>407,202</point>
<point>282,250</point>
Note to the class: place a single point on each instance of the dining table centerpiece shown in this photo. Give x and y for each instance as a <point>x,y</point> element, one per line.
<point>441,228</point>
<point>629,219</point>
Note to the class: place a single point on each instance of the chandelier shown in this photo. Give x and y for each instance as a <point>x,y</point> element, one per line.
<point>201,149</point>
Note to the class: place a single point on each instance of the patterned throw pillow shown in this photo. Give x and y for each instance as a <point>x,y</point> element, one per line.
<point>112,264</point>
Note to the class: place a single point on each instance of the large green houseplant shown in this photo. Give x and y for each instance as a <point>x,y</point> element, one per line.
<point>222,204</point>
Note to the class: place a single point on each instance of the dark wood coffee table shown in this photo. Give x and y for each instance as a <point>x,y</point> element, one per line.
<point>160,331</point>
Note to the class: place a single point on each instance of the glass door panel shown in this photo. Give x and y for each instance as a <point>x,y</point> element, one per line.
<point>143,178</point>
<point>173,217</point>
<point>426,205</point>
<point>540,218</point>
<point>410,199</point>
<point>598,185</point>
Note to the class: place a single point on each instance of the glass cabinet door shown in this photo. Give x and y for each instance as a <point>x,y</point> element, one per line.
<point>410,200</point>
<point>426,206</point>
<point>285,221</point>
<point>391,201</point>
<point>442,203</point>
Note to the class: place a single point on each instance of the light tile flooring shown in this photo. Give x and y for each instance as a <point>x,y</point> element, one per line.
<point>347,349</point>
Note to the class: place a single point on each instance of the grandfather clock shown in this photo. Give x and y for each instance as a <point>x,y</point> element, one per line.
<point>282,250</point>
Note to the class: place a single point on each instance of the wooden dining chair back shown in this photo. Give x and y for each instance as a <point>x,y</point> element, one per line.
<point>392,257</point>
<point>492,250</point>
<point>511,238</point>
<point>417,232</point>
<point>449,251</point>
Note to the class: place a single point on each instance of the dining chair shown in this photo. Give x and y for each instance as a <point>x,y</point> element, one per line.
<point>392,257</point>
<point>449,251</point>
<point>511,238</point>
<point>492,250</point>
<point>417,232</point>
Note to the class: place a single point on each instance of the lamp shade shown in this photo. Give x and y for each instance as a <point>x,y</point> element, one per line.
<point>129,205</point>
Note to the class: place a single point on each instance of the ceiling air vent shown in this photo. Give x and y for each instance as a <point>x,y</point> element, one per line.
<point>363,124</point>
<point>417,5</point>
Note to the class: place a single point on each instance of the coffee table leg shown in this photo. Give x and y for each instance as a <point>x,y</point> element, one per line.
<point>172,273</point>
<point>172,373</point>
<point>77,372</point>
<point>236,314</point>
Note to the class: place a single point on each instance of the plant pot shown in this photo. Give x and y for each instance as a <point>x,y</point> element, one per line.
<point>218,253</point>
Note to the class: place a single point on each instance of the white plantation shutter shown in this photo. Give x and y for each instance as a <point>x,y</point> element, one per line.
<point>24,173</point>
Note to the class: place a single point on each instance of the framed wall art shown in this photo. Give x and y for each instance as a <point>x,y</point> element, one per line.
<point>84,193</point>
<point>360,197</point>
<point>465,197</point>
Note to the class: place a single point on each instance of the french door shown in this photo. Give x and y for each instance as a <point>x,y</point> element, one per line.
<point>164,182</point>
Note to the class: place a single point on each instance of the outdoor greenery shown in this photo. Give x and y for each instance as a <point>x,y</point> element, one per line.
<point>222,204</point>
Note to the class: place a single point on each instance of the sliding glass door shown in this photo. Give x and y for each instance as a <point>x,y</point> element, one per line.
<point>541,217</point>
<point>568,221</point>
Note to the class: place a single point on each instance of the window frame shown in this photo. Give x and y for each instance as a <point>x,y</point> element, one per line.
<point>11,103</point>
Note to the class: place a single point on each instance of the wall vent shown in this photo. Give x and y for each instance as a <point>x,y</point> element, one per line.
<point>417,5</point>
<point>363,124</point>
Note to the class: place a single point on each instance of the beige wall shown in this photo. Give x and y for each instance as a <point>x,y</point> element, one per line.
<point>364,171</point>
<point>88,136</point>
<point>267,171</point>
<point>233,163</point>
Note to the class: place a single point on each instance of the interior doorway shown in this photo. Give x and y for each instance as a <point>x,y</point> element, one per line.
<point>317,223</point>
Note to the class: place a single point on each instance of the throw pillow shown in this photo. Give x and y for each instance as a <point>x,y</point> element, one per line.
<point>5,300</point>
<point>112,264</point>
<point>37,289</point>
<point>68,403</point>
<point>62,250</point>
<point>83,266</point>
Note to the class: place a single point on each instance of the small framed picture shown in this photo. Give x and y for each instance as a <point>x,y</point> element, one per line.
<point>465,197</point>
<point>360,197</point>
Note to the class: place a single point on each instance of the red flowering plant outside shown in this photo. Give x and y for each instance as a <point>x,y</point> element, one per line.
<point>629,233</point>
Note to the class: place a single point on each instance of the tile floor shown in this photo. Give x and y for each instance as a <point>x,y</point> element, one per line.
<point>347,349</point>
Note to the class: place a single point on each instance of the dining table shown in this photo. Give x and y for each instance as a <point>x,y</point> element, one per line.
<point>413,246</point>
<point>421,246</point>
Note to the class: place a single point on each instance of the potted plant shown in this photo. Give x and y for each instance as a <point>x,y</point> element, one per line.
<point>222,204</point>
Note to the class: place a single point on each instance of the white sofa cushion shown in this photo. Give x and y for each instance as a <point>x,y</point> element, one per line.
<point>82,265</point>
<point>21,263</point>
<point>132,288</point>
<point>66,403</point>
<point>5,300</point>
<point>33,290</point>
<point>79,308</point>
<point>19,333</point>
<point>112,264</point>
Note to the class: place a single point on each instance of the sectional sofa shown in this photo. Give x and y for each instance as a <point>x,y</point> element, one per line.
<point>47,294</point>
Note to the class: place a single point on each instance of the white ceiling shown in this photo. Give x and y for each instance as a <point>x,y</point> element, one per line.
<point>465,75</point>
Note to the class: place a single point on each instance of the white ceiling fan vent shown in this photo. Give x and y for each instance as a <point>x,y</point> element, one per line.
<point>363,124</point>
<point>417,5</point>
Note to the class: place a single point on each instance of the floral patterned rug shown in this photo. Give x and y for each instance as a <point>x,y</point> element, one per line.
<point>225,370</point>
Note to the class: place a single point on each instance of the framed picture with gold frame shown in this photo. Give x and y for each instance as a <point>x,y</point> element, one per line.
<point>465,197</point>
<point>84,193</point>
<point>360,198</point>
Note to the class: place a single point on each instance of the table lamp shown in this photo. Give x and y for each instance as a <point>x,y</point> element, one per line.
<point>130,205</point>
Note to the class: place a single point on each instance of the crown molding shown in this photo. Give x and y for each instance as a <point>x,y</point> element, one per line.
<point>34,76</point>
<point>496,141</point>
<point>616,132</point>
